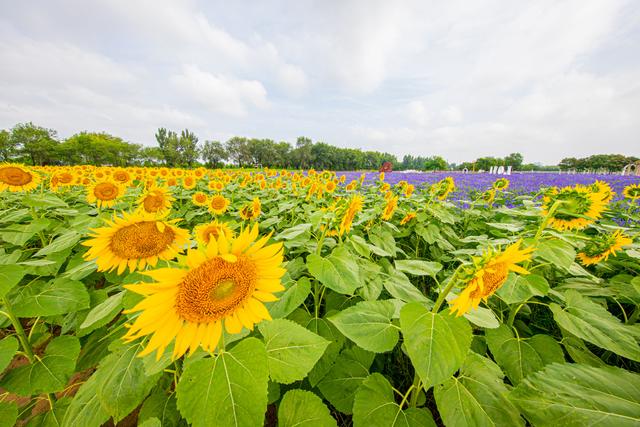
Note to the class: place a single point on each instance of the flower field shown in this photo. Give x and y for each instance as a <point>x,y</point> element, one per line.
<point>167,297</point>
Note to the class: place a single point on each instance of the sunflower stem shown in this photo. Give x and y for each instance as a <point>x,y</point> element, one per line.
<point>634,316</point>
<point>22,337</point>
<point>415,391</point>
<point>513,311</point>
<point>446,290</point>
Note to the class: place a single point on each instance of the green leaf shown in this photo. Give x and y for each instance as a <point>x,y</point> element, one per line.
<point>292,350</point>
<point>300,408</point>
<point>578,395</point>
<point>8,349</point>
<point>418,267</point>
<point>375,405</point>
<point>400,287</point>
<point>593,323</point>
<point>162,406</point>
<point>18,235</point>
<point>368,324</point>
<point>477,396</point>
<point>344,378</point>
<point>54,417</point>
<point>44,200</point>
<point>518,289</point>
<point>520,357</point>
<point>60,243</point>
<point>483,317</point>
<point>48,374</point>
<point>104,312</point>
<point>293,232</point>
<point>437,343</point>
<point>557,252</point>
<point>122,381</point>
<point>58,296</point>
<point>85,408</point>
<point>229,389</point>
<point>10,276</point>
<point>338,272</point>
<point>336,340</point>
<point>293,296</point>
<point>8,413</point>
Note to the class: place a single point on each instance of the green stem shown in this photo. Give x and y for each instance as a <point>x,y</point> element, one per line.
<point>446,290</point>
<point>415,391</point>
<point>513,311</point>
<point>634,316</point>
<point>22,337</point>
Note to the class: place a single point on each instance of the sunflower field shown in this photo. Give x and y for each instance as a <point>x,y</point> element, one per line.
<point>174,297</point>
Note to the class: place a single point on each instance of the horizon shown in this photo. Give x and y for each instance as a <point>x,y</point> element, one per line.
<point>548,80</point>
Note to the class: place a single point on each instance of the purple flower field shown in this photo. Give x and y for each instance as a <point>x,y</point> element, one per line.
<point>520,183</point>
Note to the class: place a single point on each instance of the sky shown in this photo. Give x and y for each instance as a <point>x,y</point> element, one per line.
<point>459,79</point>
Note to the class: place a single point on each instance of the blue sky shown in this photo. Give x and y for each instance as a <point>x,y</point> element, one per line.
<point>459,79</point>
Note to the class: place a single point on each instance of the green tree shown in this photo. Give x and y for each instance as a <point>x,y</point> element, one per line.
<point>213,153</point>
<point>238,151</point>
<point>302,154</point>
<point>435,163</point>
<point>168,144</point>
<point>36,143</point>
<point>514,160</point>
<point>8,147</point>
<point>188,151</point>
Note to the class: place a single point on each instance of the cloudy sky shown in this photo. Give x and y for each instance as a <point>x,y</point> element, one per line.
<point>459,79</point>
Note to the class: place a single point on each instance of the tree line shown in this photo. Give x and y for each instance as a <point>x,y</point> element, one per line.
<point>31,144</point>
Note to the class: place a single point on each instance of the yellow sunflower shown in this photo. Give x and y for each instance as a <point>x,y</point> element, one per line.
<point>489,196</point>
<point>579,208</point>
<point>205,232</point>
<point>222,284</point>
<point>189,182</point>
<point>390,208</point>
<point>601,247</point>
<point>632,192</point>
<point>199,198</point>
<point>501,184</point>
<point>408,217</point>
<point>251,210</point>
<point>218,204</point>
<point>487,275</point>
<point>15,178</point>
<point>135,241</point>
<point>604,189</point>
<point>121,176</point>
<point>442,188</point>
<point>155,200</point>
<point>104,193</point>
<point>355,205</point>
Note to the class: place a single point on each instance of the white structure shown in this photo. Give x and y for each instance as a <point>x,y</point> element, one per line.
<point>500,170</point>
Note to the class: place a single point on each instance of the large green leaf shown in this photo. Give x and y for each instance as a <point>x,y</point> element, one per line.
<point>8,413</point>
<point>300,408</point>
<point>60,243</point>
<point>49,373</point>
<point>338,272</point>
<point>578,395</point>
<point>476,396</point>
<point>162,406</point>
<point>400,287</point>
<point>344,378</point>
<point>557,252</point>
<point>19,235</point>
<point>122,381</point>
<point>292,350</point>
<point>375,405</point>
<point>368,324</point>
<point>418,267</point>
<point>229,389</point>
<point>10,275</point>
<point>336,340</point>
<point>54,417</point>
<point>437,343</point>
<point>58,296</point>
<point>85,408</point>
<point>593,323</point>
<point>104,312</point>
<point>293,296</point>
<point>519,356</point>
<point>8,348</point>
<point>520,288</point>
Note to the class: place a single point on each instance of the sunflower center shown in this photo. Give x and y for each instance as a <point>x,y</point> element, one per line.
<point>217,203</point>
<point>215,289</point>
<point>492,280</point>
<point>141,240</point>
<point>209,232</point>
<point>105,191</point>
<point>15,176</point>
<point>153,203</point>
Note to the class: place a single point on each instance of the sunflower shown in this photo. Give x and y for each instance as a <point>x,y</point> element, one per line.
<point>408,190</point>
<point>487,275</point>
<point>122,177</point>
<point>155,200</point>
<point>251,210</point>
<point>390,208</point>
<point>218,204</point>
<point>632,192</point>
<point>200,199</point>
<point>602,246</point>
<point>579,208</point>
<point>604,189</point>
<point>222,284</point>
<point>330,187</point>
<point>205,232</point>
<point>408,217</point>
<point>189,182</point>
<point>104,193</point>
<point>14,177</point>
<point>134,240</point>
<point>489,196</point>
<point>216,185</point>
<point>443,187</point>
<point>355,205</point>
<point>501,184</point>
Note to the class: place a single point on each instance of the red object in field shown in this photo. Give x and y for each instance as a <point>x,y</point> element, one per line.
<point>386,167</point>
